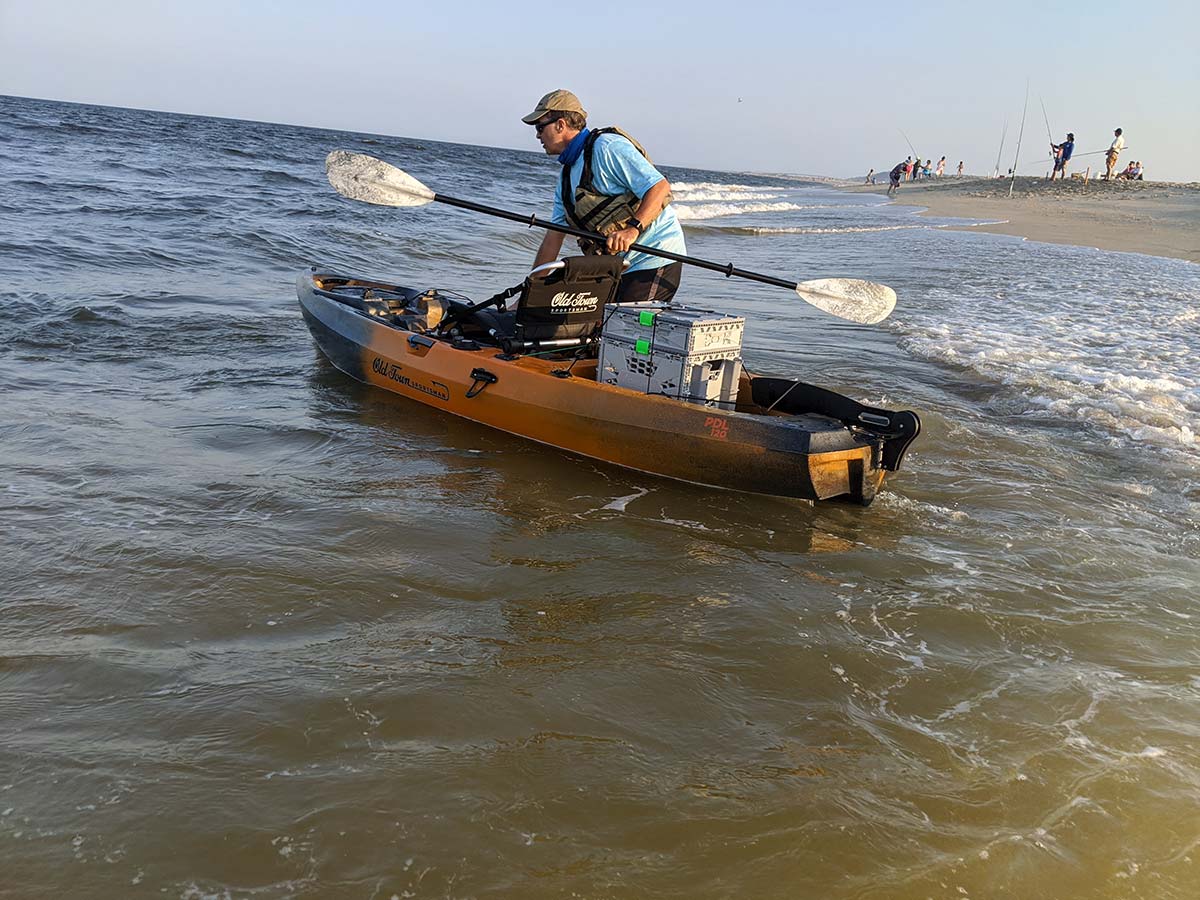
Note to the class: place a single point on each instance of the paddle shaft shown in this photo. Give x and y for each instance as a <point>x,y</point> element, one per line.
<point>534,222</point>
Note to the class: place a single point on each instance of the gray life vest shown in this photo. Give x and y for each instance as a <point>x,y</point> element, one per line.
<point>590,210</point>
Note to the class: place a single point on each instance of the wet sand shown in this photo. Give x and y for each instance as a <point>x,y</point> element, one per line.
<point>1158,218</point>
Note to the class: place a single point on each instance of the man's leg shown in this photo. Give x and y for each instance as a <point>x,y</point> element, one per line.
<point>650,285</point>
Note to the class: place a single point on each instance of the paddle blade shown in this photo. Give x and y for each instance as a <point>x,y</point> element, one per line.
<point>848,298</point>
<point>371,180</point>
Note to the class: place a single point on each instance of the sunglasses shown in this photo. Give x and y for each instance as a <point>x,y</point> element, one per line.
<point>541,126</point>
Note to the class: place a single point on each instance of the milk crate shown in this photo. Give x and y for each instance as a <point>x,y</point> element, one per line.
<point>675,329</point>
<point>708,378</point>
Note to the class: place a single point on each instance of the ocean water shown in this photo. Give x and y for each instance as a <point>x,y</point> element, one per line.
<point>266,632</point>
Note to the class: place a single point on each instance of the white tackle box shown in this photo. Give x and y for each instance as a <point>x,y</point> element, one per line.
<point>688,354</point>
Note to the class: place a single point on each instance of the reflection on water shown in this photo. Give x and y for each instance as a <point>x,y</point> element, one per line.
<point>268,632</point>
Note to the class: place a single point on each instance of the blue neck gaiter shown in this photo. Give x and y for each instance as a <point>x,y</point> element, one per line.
<point>568,156</point>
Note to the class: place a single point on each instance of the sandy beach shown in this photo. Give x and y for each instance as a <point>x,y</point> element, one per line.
<point>1158,218</point>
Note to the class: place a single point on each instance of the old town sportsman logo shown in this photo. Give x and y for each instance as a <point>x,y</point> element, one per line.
<point>578,302</point>
<point>393,371</point>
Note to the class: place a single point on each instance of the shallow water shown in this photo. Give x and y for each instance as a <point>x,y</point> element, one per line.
<point>266,632</point>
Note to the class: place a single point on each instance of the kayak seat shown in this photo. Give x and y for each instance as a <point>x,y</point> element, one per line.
<point>563,310</point>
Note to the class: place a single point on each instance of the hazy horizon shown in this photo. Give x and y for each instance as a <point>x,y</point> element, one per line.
<point>775,89</point>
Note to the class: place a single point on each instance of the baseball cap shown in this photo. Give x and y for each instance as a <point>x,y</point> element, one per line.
<point>555,101</point>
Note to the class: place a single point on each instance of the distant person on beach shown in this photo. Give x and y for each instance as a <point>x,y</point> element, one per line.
<point>925,171</point>
<point>941,167</point>
<point>624,197</point>
<point>1114,150</point>
<point>894,176</point>
<point>960,165</point>
<point>870,177</point>
<point>1132,172</point>
<point>1062,154</point>
<point>908,167</point>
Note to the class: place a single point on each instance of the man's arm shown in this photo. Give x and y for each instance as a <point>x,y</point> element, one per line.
<point>548,252</point>
<point>653,202</point>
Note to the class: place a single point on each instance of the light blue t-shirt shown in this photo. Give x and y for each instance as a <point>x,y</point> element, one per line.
<point>618,167</point>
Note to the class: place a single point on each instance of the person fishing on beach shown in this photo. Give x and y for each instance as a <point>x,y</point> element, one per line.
<point>894,177</point>
<point>1062,154</point>
<point>1110,157</point>
<point>609,186</point>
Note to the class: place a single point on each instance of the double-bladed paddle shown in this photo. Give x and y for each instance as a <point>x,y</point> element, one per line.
<point>362,177</point>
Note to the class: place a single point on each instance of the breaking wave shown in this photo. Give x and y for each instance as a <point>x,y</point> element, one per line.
<point>846,229</point>
<point>717,210</point>
<point>680,187</point>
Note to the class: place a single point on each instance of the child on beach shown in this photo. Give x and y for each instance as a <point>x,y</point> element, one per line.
<point>1132,172</point>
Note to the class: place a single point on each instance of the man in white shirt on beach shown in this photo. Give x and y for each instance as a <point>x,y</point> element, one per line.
<point>1114,150</point>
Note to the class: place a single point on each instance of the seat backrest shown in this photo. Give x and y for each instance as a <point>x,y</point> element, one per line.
<point>570,302</point>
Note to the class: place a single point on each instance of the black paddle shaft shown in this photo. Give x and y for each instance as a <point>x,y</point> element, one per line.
<point>534,222</point>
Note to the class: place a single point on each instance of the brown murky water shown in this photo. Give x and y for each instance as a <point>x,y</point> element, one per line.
<point>265,632</point>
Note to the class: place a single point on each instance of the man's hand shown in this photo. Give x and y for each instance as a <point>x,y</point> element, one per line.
<point>620,241</point>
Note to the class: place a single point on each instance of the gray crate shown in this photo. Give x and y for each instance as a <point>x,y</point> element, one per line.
<point>675,329</point>
<point>710,378</point>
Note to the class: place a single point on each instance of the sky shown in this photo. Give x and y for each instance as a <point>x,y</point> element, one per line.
<point>803,88</point>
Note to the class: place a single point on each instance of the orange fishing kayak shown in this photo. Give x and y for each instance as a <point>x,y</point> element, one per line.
<point>777,437</point>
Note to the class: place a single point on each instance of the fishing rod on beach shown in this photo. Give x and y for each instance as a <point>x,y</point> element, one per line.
<point>1020,134</point>
<point>1000,152</point>
<point>1080,155</point>
<point>1049,135</point>
<point>361,177</point>
<point>907,141</point>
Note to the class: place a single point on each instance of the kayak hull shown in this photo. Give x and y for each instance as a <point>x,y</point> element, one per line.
<point>804,456</point>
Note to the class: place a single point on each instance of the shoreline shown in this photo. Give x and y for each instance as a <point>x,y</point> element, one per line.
<point>1154,218</point>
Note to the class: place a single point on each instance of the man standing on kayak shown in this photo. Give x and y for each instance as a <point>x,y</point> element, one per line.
<point>613,189</point>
